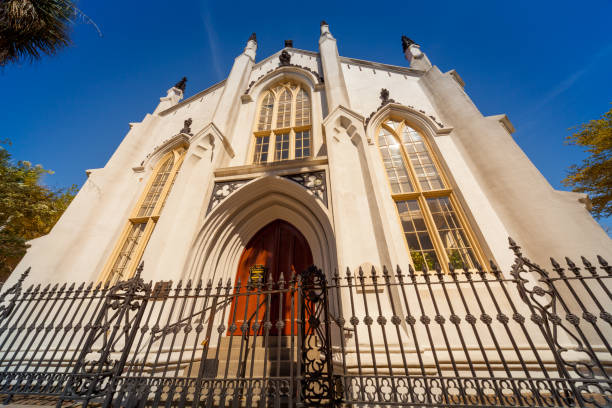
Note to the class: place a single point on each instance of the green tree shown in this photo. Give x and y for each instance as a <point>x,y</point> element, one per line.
<point>31,28</point>
<point>594,175</point>
<point>28,208</point>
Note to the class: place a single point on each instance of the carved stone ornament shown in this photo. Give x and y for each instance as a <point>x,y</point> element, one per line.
<point>253,37</point>
<point>323,22</point>
<point>285,58</point>
<point>181,84</point>
<point>384,97</point>
<point>222,190</point>
<point>187,126</point>
<point>313,182</point>
<point>406,42</point>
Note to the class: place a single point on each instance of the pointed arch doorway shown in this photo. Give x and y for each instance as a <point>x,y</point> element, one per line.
<point>282,250</point>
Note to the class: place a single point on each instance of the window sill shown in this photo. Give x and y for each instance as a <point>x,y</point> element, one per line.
<point>298,165</point>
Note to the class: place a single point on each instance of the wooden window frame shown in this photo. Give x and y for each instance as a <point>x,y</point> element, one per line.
<point>293,87</point>
<point>421,195</point>
<point>107,274</point>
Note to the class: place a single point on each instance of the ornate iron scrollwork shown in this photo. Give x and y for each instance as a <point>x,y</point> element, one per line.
<point>318,386</point>
<point>537,289</point>
<point>112,333</point>
<point>15,292</point>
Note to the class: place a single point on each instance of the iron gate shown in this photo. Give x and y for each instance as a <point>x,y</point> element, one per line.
<point>453,337</point>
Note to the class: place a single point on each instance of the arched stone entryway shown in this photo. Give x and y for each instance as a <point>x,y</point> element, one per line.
<point>227,229</point>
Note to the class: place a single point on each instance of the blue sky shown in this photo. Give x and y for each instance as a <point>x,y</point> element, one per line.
<point>547,65</point>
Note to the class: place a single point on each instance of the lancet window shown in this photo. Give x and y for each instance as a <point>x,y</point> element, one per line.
<point>284,124</point>
<point>434,226</point>
<point>143,218</point>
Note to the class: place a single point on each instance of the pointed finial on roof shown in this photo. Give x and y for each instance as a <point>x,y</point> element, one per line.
<point>406,42</point>
<point>323,22</point>
<point>181,84</point>
<point>253,37</point>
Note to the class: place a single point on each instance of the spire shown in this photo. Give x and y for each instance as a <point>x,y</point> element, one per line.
<point>325,29</point>
<point>412,51</point>
<point>181,84</point>
<point>406,43</point>
<point>335,86</point>
<point>251,47</point>
<point>173,96</point>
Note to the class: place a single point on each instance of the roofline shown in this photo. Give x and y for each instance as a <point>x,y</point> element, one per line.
<point>347,60</point>
<point>191,98</point>
<point>311,53</point>
<point>396,68</point>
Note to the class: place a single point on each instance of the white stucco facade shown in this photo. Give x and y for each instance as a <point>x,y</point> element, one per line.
<point>499,191</point>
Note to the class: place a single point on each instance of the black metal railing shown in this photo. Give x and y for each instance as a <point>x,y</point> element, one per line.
<point>478,337</point>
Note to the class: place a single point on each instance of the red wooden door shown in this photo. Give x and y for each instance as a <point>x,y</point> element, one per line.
<point>282,249</point>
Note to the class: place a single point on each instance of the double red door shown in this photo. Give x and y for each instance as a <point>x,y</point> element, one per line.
<point>283,250</point>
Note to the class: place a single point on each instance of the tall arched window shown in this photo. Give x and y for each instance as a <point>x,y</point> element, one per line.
<point>434,227</point>
<point>284,129</point>
<point>143,218</point>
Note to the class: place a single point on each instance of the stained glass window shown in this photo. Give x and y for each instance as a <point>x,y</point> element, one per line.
<point>261,149</point>
<point>429,215</point>
<point>281,151</point>
<point>285,106</point>
<point>141,224</point>
<point>302,144</point>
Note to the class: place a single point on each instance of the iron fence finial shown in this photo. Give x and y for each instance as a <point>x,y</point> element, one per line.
<point>139,270</point>
<point>556,266</point>
<point>398,272</point>
<point>603,263</point>
<point>589,266</point>
<point>515,247</point>
<point>24,274</point>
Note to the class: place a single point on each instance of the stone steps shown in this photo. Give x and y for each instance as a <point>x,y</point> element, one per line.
<point>235,359</point>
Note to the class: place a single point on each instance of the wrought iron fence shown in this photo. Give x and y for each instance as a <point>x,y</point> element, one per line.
<point>364,338</point>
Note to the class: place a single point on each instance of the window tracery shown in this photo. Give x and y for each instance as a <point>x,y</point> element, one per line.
<point>434,228</point>
<point>284,129</point>
<point>143,218</point>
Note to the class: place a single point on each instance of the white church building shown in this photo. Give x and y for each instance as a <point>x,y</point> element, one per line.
<point>371,164</point>
<point>311,158</point>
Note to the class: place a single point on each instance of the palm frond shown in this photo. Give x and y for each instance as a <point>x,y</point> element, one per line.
<point>30,29</point>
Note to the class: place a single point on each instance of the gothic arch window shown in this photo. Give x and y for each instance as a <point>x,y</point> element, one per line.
<point>284,124</point>
<point>434,226</point>
<point>143,218</point>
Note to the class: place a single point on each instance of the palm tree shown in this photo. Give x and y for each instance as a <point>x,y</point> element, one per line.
<point>31,28</point>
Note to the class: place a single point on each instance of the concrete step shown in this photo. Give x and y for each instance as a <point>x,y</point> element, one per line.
<point>234,358</point>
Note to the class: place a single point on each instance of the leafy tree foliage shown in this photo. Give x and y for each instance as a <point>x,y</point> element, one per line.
<point>594,175</point>
<point>28,209</point>
<point>31,28</point>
